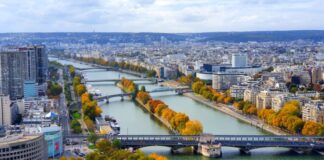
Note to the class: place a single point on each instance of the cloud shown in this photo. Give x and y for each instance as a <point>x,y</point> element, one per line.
<point>159,15</point>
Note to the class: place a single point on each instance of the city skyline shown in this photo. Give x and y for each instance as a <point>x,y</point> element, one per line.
<point>161,16</point>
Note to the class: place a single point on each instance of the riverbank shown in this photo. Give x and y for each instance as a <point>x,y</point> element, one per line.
<point>166,124</point>
<point>146,108</point>
<point>231,111</point>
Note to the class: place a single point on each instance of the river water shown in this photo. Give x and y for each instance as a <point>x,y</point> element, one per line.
<point>135,120</point>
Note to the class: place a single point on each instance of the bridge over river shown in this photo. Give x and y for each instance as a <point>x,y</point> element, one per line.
<point>157,90</point>
<point>244,142</point>
<point>117,80</point>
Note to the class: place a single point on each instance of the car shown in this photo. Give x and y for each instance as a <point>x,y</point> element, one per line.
<point>82,154</point>
<point>74,142</point>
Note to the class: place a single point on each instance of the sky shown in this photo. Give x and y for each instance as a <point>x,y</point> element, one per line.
<point>171,16</point>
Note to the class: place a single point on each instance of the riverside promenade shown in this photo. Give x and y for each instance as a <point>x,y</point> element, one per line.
<point>231,111</point>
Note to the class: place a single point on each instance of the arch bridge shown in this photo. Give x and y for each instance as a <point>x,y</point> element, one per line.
<point>162,89</point>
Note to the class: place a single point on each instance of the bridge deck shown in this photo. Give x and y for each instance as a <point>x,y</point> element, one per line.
<point>239,141</point>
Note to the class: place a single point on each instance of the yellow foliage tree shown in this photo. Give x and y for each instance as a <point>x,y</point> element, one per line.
<point>157,157</point>
<point>167,114</point>
<point>80,89</point>
<point>98,110</point>
<point>85,97</point>
<point>192,128</point>
<point>179,120</point>
<point>311,128</point>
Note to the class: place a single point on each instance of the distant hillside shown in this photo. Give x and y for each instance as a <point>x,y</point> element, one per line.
<point>103,38</point>
<point>263,36</point>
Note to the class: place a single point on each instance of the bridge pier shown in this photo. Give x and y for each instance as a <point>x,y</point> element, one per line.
<point>210,150</point>
<point>174,150</point>
<point>107,101</point>
<point>301,151</point>
<point>122,98</point>
<point>245,151</point>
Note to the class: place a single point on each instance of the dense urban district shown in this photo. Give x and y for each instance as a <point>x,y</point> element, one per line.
<point>64,96</point>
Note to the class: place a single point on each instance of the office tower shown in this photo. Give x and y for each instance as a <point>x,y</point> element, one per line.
<point>30,63</point>
<point>41,64</point>
<point>22,65</point>
<point>239,60</point>
<point>5,110</point>
<point>12,72</point>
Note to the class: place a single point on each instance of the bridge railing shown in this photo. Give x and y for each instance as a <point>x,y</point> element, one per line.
<point>156,137</point>
<point>268,138</point>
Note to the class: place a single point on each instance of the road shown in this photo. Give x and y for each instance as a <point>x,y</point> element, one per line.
<point>63,111</point>
<point>76,144</point>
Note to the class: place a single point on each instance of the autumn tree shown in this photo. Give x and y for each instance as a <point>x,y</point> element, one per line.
<point>153,104</point>
<point>160,108</point>
<point>80,89</point>
<point>144,97</point>
<point>76,81</point>
<point>89,123</point>
<point>128,85</point>
<point>228,100</point>
<point>197,86</point>
<point>192,128</point>
<point>311,129</point>
<point>168,114</point>
<point>157,157</point>
<point>85,97</point>
<point>179,120</point>
<point>105,150</point>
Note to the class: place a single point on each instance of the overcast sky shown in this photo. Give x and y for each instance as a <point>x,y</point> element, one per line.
<point>160,15</point>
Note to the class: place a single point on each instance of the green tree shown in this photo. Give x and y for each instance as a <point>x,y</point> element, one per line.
<point>143,89</point>
<point>116,143</point>
<point>92,138</point>
<point>54,89</point>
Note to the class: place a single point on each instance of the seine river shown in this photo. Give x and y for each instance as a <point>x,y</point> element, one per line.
<point>134,120</point>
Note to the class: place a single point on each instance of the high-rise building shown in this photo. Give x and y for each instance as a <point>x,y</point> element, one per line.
<point>12,73</point>
<point>5,110</point>
<point>20,64</point>
<point>29,62</point>
<point>41,64</point>
<point>239,60</point>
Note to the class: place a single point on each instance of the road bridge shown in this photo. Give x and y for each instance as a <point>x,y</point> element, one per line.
<point>108,68</point>
<point>117,79</point>
<point>164,89</point>
<point>244,142</point>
